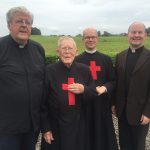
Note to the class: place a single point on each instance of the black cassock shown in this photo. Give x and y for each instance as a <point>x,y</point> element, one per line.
<point>66,111</point>
<point>101,129</point>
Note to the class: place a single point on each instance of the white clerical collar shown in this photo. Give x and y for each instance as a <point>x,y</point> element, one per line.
<point>133,50</point>
<point>21,46</point>
<point>91,52</point>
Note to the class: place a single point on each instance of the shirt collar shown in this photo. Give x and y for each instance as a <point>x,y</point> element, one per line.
<point>136,50</point>
<point>91,52</point>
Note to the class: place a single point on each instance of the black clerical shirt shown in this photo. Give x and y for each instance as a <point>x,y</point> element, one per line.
<point>132,58</point>
<point>21,85</point>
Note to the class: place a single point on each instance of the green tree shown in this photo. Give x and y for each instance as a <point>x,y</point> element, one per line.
<point>148,30</point>
<point>99,33</point>
<point>35,31</point>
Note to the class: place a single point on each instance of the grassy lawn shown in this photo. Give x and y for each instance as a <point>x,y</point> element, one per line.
<point>109,45</point>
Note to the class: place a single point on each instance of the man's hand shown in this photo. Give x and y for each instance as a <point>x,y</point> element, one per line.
<point>101,89</point>
<point>48,136</point>
<point>76,88</point>
<point>144,120</point>
<point>113,109</point>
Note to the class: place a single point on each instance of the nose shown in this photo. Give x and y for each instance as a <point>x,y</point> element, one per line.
<point>24,23</point>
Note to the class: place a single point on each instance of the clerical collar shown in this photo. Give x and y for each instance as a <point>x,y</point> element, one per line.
<point>21,46</point>
<point>136,50</point>
<point>91,52</point>
<point>16,43</point>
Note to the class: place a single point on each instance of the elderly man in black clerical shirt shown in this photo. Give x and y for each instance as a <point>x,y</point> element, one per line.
<point>70,88</point>
<point>21,83</point>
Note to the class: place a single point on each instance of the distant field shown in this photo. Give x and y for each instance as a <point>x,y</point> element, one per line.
<point>108,45</point>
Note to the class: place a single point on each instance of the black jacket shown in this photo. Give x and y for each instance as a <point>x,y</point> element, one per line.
<point>138,98</point>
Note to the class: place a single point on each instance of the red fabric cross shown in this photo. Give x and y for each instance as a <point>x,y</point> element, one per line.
<point>71,95</point>
<point>94,69</point>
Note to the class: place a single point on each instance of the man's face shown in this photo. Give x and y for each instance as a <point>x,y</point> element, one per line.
<point>90,39</point>
<point>67,52</point>
<point>20,27</point>
<point>136,35</point>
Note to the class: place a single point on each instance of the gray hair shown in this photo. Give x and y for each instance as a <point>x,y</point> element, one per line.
<point>21,9</point>
<point>63,38</point>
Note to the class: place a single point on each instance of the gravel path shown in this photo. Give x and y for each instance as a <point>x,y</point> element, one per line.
<point>116,130</point>
<point>147,138</point>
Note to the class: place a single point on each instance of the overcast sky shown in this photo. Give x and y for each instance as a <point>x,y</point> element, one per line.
<point>72,16</point>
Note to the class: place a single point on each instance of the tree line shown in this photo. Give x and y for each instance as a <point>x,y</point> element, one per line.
<point>36,31</point>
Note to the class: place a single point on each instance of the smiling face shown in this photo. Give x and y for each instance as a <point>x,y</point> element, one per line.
<point>90,39</point>
<point>67,51</point>
<point>136,35</point>
<point>20,27</point>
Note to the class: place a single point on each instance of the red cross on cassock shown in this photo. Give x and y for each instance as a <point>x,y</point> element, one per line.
<point>71,95</point>
<point>94,69</point>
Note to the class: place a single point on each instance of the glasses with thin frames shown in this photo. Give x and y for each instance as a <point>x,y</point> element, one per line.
<point>22,22</point>
<point>90,37</point>
<point>67,49</point>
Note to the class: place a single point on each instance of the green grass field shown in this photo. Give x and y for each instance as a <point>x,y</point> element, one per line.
<point>109,45</point>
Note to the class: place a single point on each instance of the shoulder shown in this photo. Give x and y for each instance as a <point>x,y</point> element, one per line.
<point>51,66</point>
<point>146,50</point>
<point>4,43</point>
<point>80,56</point>
<point>37,46</point>
<point>104,57</point>
<point>82,66</point>
<point>54,67</point>
<point>122,53</point>
<point>4,40</point>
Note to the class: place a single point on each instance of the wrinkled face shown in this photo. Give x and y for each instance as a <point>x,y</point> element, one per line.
<point>136,35</point>
<point>90,39</point>
<point>20,27</point>
<point>67,52</point>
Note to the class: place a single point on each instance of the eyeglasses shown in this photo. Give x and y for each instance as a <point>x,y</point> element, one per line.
<point>22,22</point>
<point>90,37</point>
<point>67,49</point>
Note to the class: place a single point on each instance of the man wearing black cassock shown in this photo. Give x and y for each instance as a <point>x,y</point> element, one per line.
<point>63,117</point>
<point>101,129</point>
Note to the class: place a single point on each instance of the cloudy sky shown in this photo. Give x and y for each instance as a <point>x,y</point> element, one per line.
<point>72,16</point>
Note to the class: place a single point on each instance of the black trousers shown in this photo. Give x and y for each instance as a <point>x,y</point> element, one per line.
<point>25,141</point>
<point>131,137</point>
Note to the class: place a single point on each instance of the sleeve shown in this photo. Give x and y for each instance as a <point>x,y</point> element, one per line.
<point>45,121</point>
<point>89,88</point>
<point>147,106</point>
<point>110,85</point>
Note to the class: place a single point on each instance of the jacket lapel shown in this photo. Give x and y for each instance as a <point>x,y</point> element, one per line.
<point>142,58</point>
<point>123,59</point>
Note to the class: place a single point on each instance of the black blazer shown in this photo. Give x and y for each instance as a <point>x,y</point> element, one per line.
<point>138,99</point>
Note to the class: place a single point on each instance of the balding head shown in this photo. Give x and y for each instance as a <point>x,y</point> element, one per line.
<point>136,24</point>
<point>89,30</point>
<point>136,35</point>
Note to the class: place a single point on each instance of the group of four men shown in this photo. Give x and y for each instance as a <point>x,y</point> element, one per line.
<point>70,101</point>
